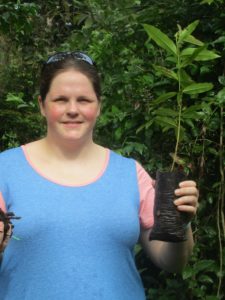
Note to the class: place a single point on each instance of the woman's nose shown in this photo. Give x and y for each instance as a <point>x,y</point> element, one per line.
<point>72,108</point>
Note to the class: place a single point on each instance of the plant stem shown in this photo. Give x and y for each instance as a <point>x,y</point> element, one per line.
<point>220,208</point>
<point>222,169</point>
<point>179,104</point>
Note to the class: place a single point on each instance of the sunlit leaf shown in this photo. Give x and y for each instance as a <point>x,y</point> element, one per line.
<point>161,39</point>
<point>192,40</point>
<point>188,59</point>
<point>187,31</point>
<point>203,55</point>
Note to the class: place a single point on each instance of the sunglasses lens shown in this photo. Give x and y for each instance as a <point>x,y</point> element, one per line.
<point>76,55</point>
<point>57,57</point>
<point>82,56</point>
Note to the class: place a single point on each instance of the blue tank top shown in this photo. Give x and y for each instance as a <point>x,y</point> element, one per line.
<point>75,242</point>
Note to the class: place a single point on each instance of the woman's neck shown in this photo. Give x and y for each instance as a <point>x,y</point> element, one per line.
<point>69,150</point>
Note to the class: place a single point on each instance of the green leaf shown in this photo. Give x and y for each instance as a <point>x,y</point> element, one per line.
<point>118,133</point>
<point>17,98</point>
<point>161,39</point>
<point>145,126</point>
<point>166,72</point>
<point>165,121</point>
<point>221,96</point>
<point>166,112</point>
<point>88,22</point>
<point>187,31</point>
<point>179,161</point>
<point>132,146</point>
<point>163,97</point>
<point>221,39</point>
<point>221,80</point>
<point>203,55</point>
<point>191,115</point>
<point>188,272</point>
<point>199,266</point>
<point>115,109</point>
<point>185,78</point>
<point>192,112</point>
<point>192,40</point>
<point>188,121</point>
<point>197,88</point>
<point>189,58</point>
<point>192,108</point>
<point>205,279</point>
<point>171,59</point>
<point>205,264</point>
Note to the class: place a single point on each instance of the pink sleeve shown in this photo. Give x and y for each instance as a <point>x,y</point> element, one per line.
<point>2,203</point>
<point>147,194</point>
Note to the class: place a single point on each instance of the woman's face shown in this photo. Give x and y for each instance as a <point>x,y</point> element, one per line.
<point>71,107</point>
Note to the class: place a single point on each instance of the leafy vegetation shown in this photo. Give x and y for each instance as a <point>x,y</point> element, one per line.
<point>181,57</point>
<point>156,77</point>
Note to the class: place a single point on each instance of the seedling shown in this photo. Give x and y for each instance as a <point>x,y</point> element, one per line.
<point>170,224</point>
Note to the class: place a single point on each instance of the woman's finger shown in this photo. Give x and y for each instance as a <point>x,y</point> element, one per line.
<point>1,235</point>
<point>187,183</point>
<point>7,237</point>
<point>187,209</point>
<point>188,190</point>
<point>190,200</point>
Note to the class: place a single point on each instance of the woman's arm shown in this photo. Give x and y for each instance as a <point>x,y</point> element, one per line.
<point>169,256</point>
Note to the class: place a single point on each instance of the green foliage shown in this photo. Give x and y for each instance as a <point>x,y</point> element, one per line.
<point>16,18</point>
<point>183,57</point>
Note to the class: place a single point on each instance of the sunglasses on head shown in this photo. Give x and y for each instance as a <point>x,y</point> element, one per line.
<point>75,55</point>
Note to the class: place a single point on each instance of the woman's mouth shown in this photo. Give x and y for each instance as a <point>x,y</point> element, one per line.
<point>72,124</point>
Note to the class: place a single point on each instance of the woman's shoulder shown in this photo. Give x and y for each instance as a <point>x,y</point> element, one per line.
<point>10,153</point>
<point>120,160</point>
<point>10,158</point>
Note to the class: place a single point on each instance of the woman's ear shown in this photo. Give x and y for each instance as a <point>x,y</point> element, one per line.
<point>41,106</point>
<point>99,109</point>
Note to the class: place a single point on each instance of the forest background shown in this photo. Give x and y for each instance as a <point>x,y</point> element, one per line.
<point>142,75</point>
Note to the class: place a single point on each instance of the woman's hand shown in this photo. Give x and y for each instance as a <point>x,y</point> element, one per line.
<point>6,228</point>
<point>188,198</point>
<point>5,236</point>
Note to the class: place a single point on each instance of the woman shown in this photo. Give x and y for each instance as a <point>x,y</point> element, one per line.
<point>83,207</point>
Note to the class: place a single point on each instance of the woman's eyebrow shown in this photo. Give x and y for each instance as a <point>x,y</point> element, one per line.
<point>84,97</point>
<point>58,97</point>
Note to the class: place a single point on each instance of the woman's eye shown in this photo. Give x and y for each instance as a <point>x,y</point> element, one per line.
<point>85,100</point>
<point>60,100</point>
